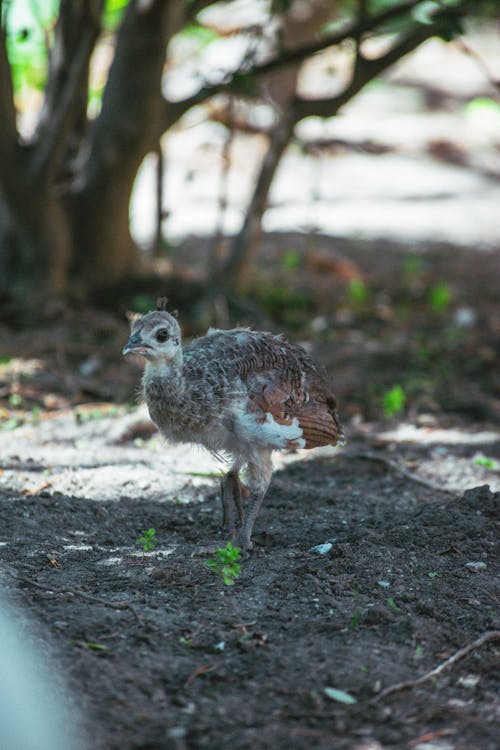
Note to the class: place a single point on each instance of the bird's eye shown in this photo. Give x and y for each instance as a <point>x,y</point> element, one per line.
<point>162,334</point>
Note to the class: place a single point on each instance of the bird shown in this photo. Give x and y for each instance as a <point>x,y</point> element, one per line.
<point>241,394</point>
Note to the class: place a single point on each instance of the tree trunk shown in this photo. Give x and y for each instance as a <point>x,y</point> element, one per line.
<point>125,131</point>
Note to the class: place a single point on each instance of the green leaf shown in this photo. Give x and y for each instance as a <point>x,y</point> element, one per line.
<point>425,12</point>
<point>439,297</point>
<point>488,463</point>
<point>291,260</point>
<point>340,696</point>
<point>201,34</point>
<point>10,424</point>
<point>357,291</point>
<point>92,646</point>
<point>393,401</point>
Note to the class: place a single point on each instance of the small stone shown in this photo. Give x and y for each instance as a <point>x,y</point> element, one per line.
<point>476,565</point>
<point>177,733</point>
<point>469,681</point>
<point>322,549</point>
<point>384,584</point>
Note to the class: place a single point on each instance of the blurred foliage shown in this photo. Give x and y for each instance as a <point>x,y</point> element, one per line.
<point>29,27</point>
<point>439,297</point>
<point>358,292</point>
<point>393,401</point>
<point>29,31</point>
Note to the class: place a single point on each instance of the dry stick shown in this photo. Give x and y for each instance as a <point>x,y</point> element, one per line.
<point>492,635</point>
<point>368,456</point>
<point>81,594</point>
<point>492,80</point>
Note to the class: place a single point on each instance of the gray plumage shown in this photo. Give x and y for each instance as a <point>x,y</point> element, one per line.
<point>240,393</point>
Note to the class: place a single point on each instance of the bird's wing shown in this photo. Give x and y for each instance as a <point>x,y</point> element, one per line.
<point>282,381</point>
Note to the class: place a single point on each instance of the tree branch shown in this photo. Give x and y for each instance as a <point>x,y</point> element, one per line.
<point>126,127</point>
<point>66,91</point>
<point>366,70</point>
<point>488,637</point>
<point>238,82</point>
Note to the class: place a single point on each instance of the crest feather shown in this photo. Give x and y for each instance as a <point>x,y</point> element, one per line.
<point>161,304</point>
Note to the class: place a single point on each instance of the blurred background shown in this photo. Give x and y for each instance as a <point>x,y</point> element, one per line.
<point>325,168</point>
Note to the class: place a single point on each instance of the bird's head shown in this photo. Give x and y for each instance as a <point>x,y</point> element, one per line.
<point>155,336</point>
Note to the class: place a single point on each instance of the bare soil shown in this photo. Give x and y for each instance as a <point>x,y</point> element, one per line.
<point>161,654</point>
<point>156,651</point>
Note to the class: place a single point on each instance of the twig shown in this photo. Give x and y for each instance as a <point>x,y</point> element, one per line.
<point>490,636</point>
<point>368,456</point>
<point>484,68</point>
<point>81,594</point>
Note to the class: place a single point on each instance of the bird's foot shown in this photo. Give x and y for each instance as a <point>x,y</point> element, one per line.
<point>242,541</point>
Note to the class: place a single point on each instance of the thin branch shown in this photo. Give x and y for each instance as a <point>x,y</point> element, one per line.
<point>173,111</point>
<point>370,69</point>
<point>370,456</point>
<point>483,67</point>
<point>489,637</point>
<point>352,31</point>
<point>78,593</point>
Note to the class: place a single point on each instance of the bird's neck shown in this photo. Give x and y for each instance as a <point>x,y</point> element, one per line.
<point>168,373</point>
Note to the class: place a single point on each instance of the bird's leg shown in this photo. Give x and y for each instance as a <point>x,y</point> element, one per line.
<point>259,474</point>
<point>232,491</point>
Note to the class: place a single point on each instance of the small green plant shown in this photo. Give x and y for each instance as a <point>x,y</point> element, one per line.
<point>358,292</point>
<point>224,563</point>
<point>357,614</point>
<point>432,574</point>
<point>487,463</point>
<point>290,260</point>
<point>147,540</point>
<point>439,297</point>
<point>10,424</point>
<point>393,401</point>
<point>15,400</point>
<point>83,415</point>
<point>392,604</point>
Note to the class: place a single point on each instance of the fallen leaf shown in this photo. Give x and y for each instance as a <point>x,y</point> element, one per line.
<point>340,696</point>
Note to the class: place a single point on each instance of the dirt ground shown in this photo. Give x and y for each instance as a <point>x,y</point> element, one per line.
<point>157,653</point>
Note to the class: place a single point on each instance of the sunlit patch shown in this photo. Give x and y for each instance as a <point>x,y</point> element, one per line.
<point>408,433</point>
<point>14,366</point>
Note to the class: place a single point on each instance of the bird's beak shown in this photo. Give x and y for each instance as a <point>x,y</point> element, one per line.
<point>135,345</point>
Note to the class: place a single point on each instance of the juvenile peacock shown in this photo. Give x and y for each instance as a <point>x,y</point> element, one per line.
<point>239,393</point>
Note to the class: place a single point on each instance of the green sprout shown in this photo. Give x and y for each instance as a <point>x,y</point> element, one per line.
<point>358,292</point>
<point>439,297</point>
<point>290,260</point>
<point>224,563</point>
<point>393,401</point>
<point>147,540</point>
<point>487,463</point>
